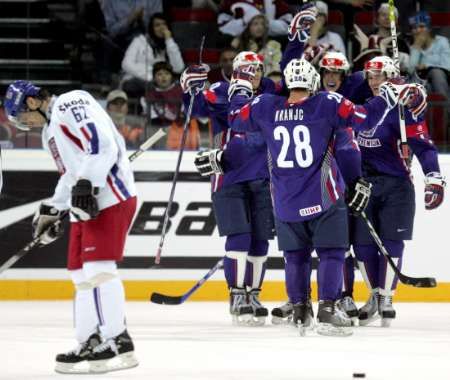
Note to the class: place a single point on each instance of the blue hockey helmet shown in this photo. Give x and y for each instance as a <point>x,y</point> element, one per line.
<point>15,98</point>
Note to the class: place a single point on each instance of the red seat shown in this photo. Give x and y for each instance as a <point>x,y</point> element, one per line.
<point>364,18</point>
<point>335,18</point>
<point>436,118</point>
<point>209,55</point>
<point>440,19</point>
<point>188,14</point>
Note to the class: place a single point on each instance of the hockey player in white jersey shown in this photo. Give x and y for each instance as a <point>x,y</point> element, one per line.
<point>97,187</point>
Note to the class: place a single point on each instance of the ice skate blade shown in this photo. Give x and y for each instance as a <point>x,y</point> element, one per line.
<point>355,321</point>
<point>368,321</point>
<point>281,321</point>
<point>117,363</point>
<point>242,320</point>
<point>258,321</point>
<point>386,322</point>
<point>80,368</point>
<point>305,329</point>
<point>328,329</point>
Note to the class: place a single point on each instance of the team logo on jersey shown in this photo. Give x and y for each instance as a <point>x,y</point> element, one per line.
<point>310,210</point>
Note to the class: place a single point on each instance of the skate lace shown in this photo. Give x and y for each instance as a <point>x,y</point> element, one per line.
<point>287,306</point>
<point>371,303</point>
<point>238,300</point>
<point>347,303</point>
<point>102,347</point>
<point>254,300</point>
<point>385,301</point>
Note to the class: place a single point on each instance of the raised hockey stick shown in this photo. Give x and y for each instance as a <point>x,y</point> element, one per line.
<point>396,58</point>
<point>418,282</point>
<point>178,300</point>
<point>177,168</point>
<point>35,242</point>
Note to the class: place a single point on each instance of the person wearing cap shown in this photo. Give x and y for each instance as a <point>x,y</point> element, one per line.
<point>96,187</point>
<point>430,54</point>
<point>117,108</point>
<point>320,35</point>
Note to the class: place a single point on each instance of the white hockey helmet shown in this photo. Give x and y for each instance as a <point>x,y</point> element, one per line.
<point>382,64</point>
<point>334,61</point>
<point>299,73</point>
<point>245,58</point>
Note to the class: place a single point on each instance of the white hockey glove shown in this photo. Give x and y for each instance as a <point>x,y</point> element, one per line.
<point>390,93</point>
<point>241,81</point>
<point>300,25</point>
<point>358,196</point>
<point>42,224</point>
<point>194,78</point>
<point>84,203</point>
<point>434,190</point>
<point>208,162</point>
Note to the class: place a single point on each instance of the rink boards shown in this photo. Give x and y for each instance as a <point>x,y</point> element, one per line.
<point>192,244</point>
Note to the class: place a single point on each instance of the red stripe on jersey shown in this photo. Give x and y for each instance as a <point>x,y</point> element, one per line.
<point>74,139</point>
<point>85,134</point>
<point>245,112</point>
<point>108,179</point>
<point>346,108</point>
<point>414,130</point>
<point>210,96</point>
<point>330,190</point>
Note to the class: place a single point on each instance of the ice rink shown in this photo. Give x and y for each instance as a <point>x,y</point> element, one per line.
<point>196,341</point>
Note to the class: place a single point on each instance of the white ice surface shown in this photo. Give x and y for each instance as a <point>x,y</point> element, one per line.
<point>196,341</point>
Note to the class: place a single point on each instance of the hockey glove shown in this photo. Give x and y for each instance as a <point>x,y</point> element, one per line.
<point>84,203</point>
<point>390,93</point>
<point>414,96</point>
<point>241,81</point>
<point>44,224</point>
<point>194,78</point>
<point>300,26</point>
<point>208,162</point>
<point>358,196</point>
<point>434,190</point>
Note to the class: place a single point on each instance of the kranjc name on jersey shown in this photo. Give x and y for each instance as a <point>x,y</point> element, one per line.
<point>380,146</point>
<point>310,143</point>
<point>85,143</point>
<point>213,103</point>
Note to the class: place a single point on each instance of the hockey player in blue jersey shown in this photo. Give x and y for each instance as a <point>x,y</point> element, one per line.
<point>311,152</point>
<point>241,197</point>
<point>392,206</point>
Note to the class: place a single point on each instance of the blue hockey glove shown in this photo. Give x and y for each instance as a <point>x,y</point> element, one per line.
<point>194,78</point>
<point>84,203</point>
<point>42,224</point>
<point>208,162</point>
<point>358,196</point>
<point>300,25</point>
<point>434,190</point>
<point>241,81</point>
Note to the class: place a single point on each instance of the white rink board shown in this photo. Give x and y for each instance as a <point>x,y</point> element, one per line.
<point>425,255</point>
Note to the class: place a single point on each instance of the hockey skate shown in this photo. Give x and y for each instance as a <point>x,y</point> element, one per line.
<point>240,310</point>
<point>283,314</point>
<point>332,322</point>
<point>303,317</point>
<point>112,355</point>
<point>260,313</point>
<point>369,312</point>
<point>348,306</point>
<point>75,361</point>
<point>385,310</point>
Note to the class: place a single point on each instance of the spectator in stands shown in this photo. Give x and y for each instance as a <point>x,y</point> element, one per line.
<point>320,35</point>
<point>380,37</point>
<point>163,105</point>
<point>225,69</point>
<point>430,55</point>
<point>117,108</point>
<point>235,15</point>
<point>211,4</point>
<point>255,38</point>
<point>158,45</point>
<point>355,3</point>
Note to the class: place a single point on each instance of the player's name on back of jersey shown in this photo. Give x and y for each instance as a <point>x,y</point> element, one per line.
<point>75,102</point>
<point>289,114</point>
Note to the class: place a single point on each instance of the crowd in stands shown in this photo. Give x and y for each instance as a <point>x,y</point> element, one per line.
<point>141,58</point>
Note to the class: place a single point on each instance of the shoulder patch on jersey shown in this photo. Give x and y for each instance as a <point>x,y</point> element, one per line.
<point>417,130</point>
<point>210,96</point>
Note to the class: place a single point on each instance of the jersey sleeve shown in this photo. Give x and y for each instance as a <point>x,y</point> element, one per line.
<point>348,155</point>
<point>420,143</point>
<point>61,196</point>
<point>243,116</point>
<point>210,101</point>
<point>92,130</point>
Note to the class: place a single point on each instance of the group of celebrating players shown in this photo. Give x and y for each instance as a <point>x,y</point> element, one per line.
<point>285,160</point>
<point>320,148</point>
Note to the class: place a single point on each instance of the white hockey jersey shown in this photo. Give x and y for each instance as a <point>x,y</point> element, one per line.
<point>85,143</point>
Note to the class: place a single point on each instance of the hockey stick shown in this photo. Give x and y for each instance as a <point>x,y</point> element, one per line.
<point>418,282</point>
<point>35,242</point>
<point>178,300</point>
<point>396,58</point>
<point>177,168</point>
